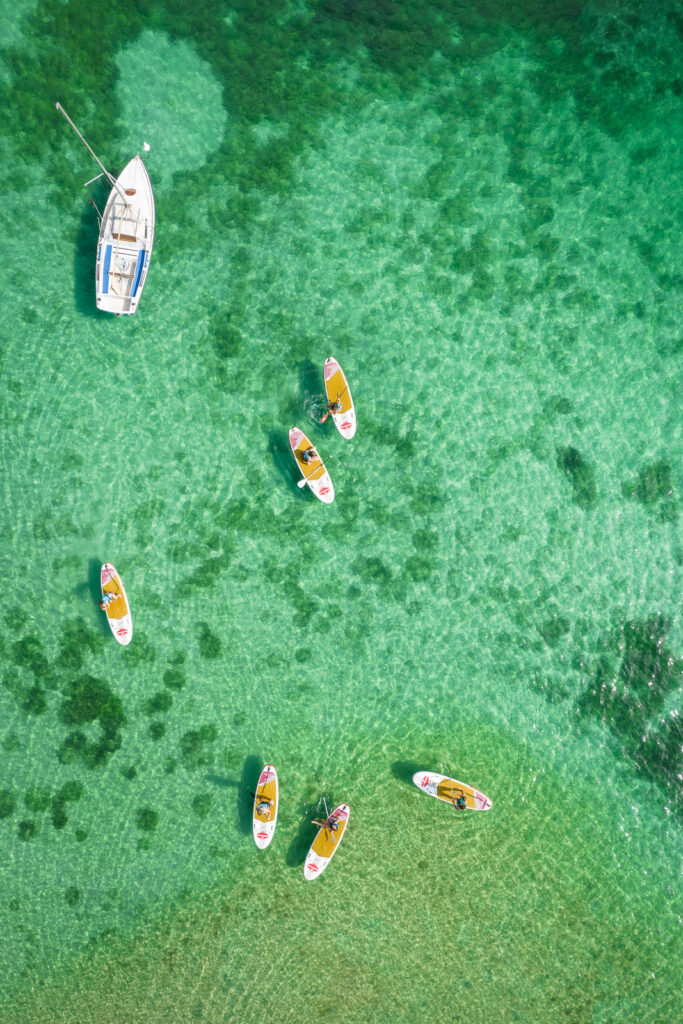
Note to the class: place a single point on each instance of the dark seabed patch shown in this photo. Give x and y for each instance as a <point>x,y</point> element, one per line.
<point>72,895</point>
<point>174,678</point>
<point>37,800</point>
<point>633,680</point>
<point>193,746</point>
<point>8,802</point>
<point>654,488</point>
<point>580,474</point>
<point>157,704</point>
<point>146,819</point>
<point>210,646</point>
<point>554,627</point>
<point>89,700</point>
<point>201,804</point>
<point>26,830</point>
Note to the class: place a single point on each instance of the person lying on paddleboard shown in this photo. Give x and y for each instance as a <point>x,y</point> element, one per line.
<point>107,599</point>
<point>461,802</point>
<point>309,455</point>
<point>333,826</point>
<point>332,407</point>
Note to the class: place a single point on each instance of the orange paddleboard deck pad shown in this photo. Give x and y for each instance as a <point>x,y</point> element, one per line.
<point>317,477</point>
<point>117,608</point>
<point>266,800</point>
<point>451,790</point>
<point>337,390</point>
<point>326,843</point>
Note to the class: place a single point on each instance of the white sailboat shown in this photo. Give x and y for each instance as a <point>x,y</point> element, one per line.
<point>126,237</point>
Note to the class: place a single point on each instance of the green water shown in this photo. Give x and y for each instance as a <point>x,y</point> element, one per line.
<point>476,209</point>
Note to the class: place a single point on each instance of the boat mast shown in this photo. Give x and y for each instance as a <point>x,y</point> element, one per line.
<point>97,160</point>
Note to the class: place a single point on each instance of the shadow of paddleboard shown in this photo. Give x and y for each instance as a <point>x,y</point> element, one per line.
<point>404,771</point>
<point>278,446</point>
<point>94,590</point>
<point>248,783</point>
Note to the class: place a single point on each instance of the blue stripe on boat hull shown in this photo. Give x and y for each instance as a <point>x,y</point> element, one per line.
<point>105,270</point>
<point>138,272</point>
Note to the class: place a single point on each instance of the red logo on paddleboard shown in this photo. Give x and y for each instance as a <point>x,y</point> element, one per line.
<point>121,632</point>
<point>312,867</point>
<point>324,490</point>
<point>425,781</point>
<point>346,425</point>
<point>261,835</point>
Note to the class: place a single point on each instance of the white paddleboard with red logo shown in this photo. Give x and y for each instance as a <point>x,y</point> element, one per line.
<point>317,477</point>
<point>337,390</point>
<point>117,609</point>
<point>266,799</point>
<point>326,843</point>
<point>450,791</point>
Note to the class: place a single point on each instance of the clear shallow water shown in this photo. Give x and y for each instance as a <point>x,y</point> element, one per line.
<point>477,214</point>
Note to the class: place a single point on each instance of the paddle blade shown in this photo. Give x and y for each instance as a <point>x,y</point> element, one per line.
<point>302,482</point>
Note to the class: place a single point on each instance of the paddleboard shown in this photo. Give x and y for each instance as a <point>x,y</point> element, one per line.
<point>337,389</point>
<point>317,477</point>
<point>118,609</point>
<point>326,843</point>
<point>449,790</point>
<point>264,820</point>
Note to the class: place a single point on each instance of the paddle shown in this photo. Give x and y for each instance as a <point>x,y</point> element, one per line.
<point>322,825</point>
<point>304,480</point>
<point>340,393</point>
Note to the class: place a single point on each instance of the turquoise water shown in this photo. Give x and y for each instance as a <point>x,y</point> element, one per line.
<point>478,213</point>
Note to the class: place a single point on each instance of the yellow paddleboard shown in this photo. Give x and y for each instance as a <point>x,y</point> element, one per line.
<point>337,390</point>
<point>266,800</point>
<point>451,791</point>
<point>315,474</point>
<point>117,608</point>
<point>326,842</point>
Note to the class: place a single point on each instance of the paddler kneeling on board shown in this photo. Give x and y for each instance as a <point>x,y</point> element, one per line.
<point>332,407</point>
<point>263,807</point>
<point>309,455</point>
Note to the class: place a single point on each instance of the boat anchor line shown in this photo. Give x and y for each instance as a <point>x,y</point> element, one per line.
<point>95,208</point>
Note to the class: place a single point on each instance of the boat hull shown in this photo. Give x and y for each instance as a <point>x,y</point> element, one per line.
<point>126,238</point>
